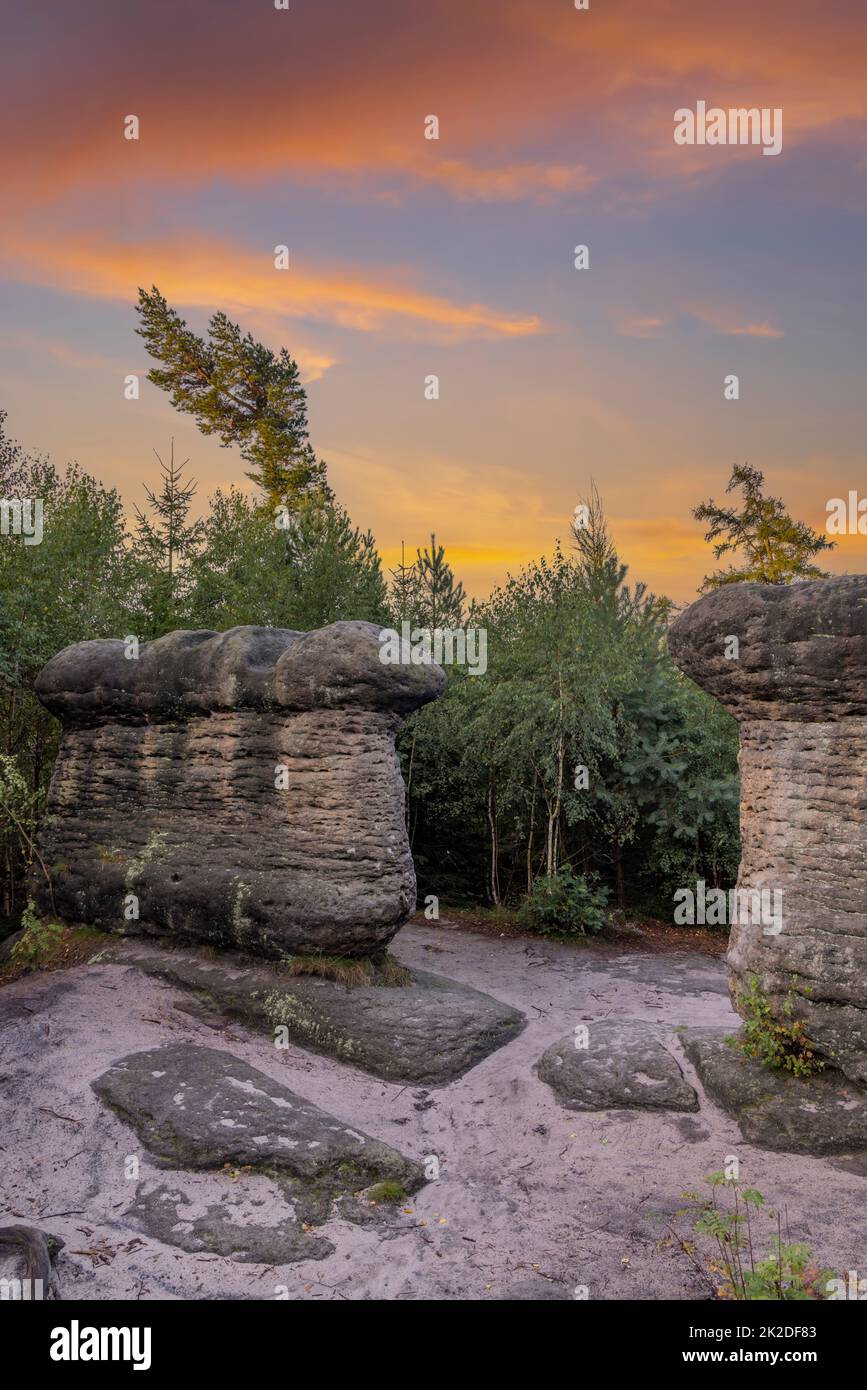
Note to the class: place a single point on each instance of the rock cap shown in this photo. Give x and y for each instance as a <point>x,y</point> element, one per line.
<point>186,673</point>
<point>802,648</point>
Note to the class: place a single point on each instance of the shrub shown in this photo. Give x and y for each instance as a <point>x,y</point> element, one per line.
<point>38,941</point>
<point>788,1272</point>
<point>780,1044</point>
<point>565,903</point>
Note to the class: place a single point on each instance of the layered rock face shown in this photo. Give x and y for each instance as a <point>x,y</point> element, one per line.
<point>239,787</point>
<point>798,686</point>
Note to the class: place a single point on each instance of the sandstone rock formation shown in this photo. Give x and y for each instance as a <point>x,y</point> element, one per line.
<point>428,1031</point>
<point>199,1108</point>
<point>240,788</point>
<point>798,686</point>
<point>622,1067</point>
<point>775,1110</point>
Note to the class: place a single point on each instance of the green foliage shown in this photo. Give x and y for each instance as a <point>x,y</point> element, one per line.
<point>90,579</point>
<point>780,1043</point>
<point>565,903</point>
<point>381,969</point>
<point>164,541</point>
<point>775,549</point>
<point>320,570</point>
<point>426,592</point>
<point>76,585</point>
<point>17,802</point>
<point>578,676</point>
<point>388,1192</point>
<point>786,1273</point>
<point>39,940</point>
<point>241,391</point>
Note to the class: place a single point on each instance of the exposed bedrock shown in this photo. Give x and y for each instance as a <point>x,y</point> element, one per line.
<point>798,686</point>
<point>239,787</point>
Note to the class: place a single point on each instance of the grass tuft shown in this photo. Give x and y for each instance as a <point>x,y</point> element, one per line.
<point>380,969</point>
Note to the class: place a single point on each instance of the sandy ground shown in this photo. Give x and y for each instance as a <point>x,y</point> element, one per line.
<point>532,1201</point>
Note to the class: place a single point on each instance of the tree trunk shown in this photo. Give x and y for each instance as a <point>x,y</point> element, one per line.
<point>618,872</point>
<point>492,821</point>
<point>530,836</point>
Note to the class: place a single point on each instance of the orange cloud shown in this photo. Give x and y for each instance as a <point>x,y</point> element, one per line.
<point>204,274</point>
<point>508,183</point>
<point>330,91</point>
<point>722,321</point>
<point>638,326</point>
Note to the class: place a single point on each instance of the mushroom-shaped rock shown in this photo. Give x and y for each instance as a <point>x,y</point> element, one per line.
<point>790,663</point>
<point>238,787</point>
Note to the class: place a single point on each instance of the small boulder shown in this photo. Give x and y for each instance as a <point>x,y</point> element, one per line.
<point>623,1067</point>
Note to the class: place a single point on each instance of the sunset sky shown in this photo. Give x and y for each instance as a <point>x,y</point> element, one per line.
<point>411,256</point>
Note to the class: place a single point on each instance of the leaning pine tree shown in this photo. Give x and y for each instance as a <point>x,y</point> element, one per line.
<point>240,390</point>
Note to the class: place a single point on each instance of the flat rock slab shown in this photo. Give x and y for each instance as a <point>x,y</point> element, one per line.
<point>428,1032</point>
<point>199,1108</point>
<point>821,1114</point>
<point>623,1067</point>
<point>177,1214</point>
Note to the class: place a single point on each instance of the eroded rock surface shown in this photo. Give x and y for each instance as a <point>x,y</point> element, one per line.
<point>820,1114</point>
<point>199,1107</point>
<point>239,787</point>
<point>178,1214</point>
<point>623,1067</point>
<point>798,686</point>
<point>429,1031</point>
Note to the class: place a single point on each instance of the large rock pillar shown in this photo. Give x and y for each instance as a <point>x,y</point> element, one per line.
<point>796,679</point>
<point>241,788</point>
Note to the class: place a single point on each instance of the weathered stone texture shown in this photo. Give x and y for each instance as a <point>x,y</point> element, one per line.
<point>428,1031</point>
<point>201,1108</point>
<point>820,1114</point>
<point>164,788</point>
<point>623,1067</point>
<point>799,688</point>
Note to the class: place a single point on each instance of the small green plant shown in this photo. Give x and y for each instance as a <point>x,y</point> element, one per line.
<point>39,939</point>
<point>565,903</point>
<point>780,1043</point>
<point>787,1272</point>
<point>389,1191</point>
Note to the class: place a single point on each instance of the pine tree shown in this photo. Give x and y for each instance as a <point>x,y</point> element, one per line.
<point>405,589</point>
<point>775,549</point>
<point>240,390</point>
<point>440,599</point>
<point>166,539</point>
<point>598,561</point>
